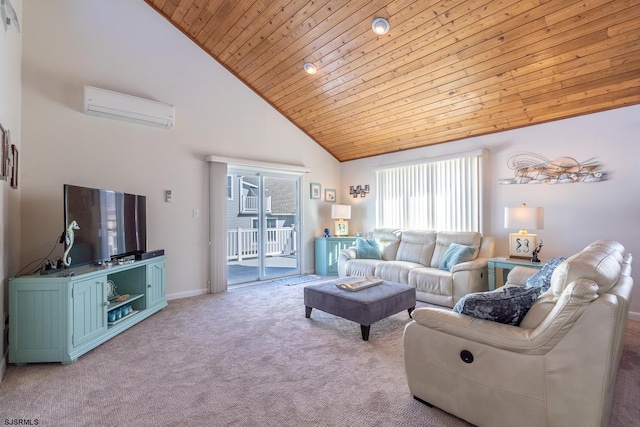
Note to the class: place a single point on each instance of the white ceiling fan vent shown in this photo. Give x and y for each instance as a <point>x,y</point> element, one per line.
<point>118,106</point>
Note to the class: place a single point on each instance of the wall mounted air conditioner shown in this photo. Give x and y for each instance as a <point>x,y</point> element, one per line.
<point>118,106</point>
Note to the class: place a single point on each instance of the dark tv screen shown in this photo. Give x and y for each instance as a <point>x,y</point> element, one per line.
<point>112,224</point>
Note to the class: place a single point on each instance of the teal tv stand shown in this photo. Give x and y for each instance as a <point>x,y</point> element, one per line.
<point>60,318</point>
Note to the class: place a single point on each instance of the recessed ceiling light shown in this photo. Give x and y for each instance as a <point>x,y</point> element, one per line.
<point>380,26</point>
<point>310,68</point>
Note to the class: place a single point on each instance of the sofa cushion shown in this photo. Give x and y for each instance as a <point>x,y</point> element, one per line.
<point>388,240</point>
<point>597,263</point>
<point>368,249</point>
<point>435,282</point>
<point>608,246</point>
<point>455,255</point>
<point>542,278</point>
<point>362,267</point>
<point>396,271</point>
<point>539,311</point>
<point>417,246</point>
<point>446,238</point>
<point>508,304</point>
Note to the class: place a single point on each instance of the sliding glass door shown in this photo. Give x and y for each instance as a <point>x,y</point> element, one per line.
<point>263,236</point>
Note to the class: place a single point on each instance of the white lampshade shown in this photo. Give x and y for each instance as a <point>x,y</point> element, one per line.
<point>524,218</point>
<point>341,212</point>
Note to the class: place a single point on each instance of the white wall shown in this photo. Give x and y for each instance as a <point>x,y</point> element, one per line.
<point>128,47</point>
<point>10,102</point>
<point>575,214</point>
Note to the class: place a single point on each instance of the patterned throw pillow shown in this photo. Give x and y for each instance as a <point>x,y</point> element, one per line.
<point>368,248</point>
<point>506,305</point>
<point>455,254</point>
<point>542,279</point>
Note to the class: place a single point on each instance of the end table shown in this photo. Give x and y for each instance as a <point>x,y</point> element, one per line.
<point>327,253</point>
<point>507,264</point>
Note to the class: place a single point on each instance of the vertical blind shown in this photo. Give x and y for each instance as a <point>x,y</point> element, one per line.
<point>443,195</point>
<point>217,227</point>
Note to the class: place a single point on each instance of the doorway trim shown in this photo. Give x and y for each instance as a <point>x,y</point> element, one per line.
<point>218,165</point>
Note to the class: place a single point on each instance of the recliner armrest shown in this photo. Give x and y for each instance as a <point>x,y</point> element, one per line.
<point>344,256</point>
<point>519,275</point>
<point>467,327</point>
<point>539,340</point>
<point>348,253</point>
<point>476,264</point>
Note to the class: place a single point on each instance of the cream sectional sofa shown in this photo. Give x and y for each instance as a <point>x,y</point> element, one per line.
<point>413,257</point>
<point>557,368</point>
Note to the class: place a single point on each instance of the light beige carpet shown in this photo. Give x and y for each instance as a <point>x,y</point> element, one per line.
<point>248,357</point>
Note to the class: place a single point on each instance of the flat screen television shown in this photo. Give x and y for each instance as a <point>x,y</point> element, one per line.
<point>111,224</point>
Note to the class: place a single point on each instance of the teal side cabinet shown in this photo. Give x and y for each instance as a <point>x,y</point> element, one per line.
<point>327,251</point>
<point>58,319</point>
<point>156,285</point>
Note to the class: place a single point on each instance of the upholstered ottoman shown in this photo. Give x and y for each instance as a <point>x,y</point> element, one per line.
<point>365,306</point>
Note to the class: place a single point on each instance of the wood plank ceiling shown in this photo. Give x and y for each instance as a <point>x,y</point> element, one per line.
<point>446,70</point>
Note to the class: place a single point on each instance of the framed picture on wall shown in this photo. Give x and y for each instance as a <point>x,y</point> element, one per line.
<point>14,166</point>
<point>315,190</point>
<point>4,159</point>
<point>330,195</point>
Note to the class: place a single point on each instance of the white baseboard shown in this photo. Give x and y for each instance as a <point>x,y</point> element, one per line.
<point>187,294</point>
<point>633,315</point>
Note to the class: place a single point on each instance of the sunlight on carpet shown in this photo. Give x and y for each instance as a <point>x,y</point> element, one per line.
<point>296,280</point>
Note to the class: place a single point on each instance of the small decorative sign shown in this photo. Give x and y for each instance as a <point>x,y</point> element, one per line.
<point>522,245</point>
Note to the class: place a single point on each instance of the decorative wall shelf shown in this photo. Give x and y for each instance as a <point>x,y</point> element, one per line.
<point>530,168</point>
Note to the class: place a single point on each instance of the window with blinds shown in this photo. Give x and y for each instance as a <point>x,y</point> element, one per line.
<point>442,194</point>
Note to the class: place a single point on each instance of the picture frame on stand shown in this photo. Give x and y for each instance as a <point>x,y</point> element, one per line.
<point>522,245</point>
<point>4,159</point>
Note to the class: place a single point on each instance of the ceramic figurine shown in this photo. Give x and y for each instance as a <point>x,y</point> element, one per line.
<point>326,233</point>
<point>68,239</point>
<point>536,251</point>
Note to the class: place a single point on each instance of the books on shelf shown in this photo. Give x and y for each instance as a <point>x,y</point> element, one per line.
<point>359,283</point>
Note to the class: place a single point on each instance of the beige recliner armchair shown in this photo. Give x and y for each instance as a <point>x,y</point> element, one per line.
<point>557,368</point>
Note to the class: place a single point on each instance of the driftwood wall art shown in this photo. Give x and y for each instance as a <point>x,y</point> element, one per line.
<point>530,168</point>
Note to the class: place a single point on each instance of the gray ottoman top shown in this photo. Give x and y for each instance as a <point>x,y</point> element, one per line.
<point>368,295</point>
<point>365,306</point>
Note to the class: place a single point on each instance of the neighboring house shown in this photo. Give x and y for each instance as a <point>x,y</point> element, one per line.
<point>242,216</point>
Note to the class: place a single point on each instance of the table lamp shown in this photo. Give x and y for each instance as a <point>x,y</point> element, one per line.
<point>522,244</point>
<point>341,212</point>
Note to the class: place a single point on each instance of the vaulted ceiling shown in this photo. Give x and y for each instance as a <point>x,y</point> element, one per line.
<point>446,70</point>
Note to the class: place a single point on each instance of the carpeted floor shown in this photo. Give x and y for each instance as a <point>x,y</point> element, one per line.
<point>247,357</point>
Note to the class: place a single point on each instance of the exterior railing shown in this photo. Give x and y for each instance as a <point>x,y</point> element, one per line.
<point>249,204</point>
<point>242,243</point>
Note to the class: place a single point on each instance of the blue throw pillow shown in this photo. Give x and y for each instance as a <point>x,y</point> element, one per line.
<point>368,248</point>
<point>506,305</point>
<point>455,255</point>
<point>542,279</point>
